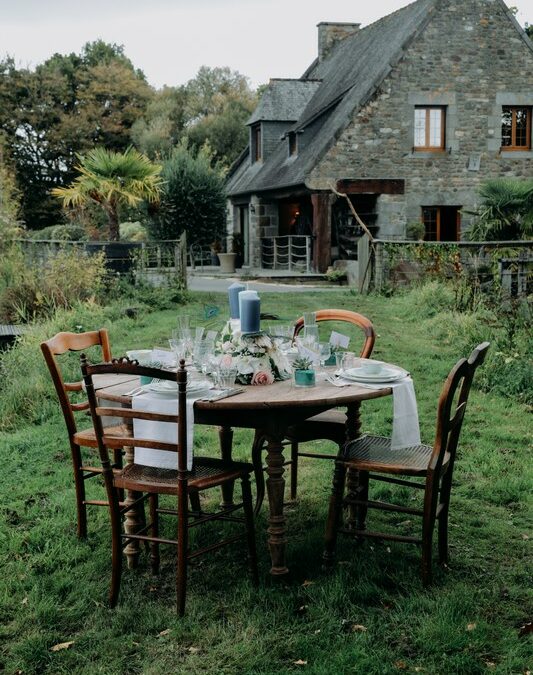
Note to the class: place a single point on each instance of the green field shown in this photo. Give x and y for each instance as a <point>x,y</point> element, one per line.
<point>368,615</point>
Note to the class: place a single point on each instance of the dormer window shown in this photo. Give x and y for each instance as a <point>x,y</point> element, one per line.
<point>256,143</point>
<point>293,144</point>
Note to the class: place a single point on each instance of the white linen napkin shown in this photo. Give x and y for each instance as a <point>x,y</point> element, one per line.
<point>405,426</point>
<point>165,357</point>
<point>166,432</point>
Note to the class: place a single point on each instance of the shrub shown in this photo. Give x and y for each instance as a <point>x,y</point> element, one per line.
<point>506,210</point>
<point>193,199</point>
<point>36,292</point>
<point>61,232</point>
<point>133,232</point>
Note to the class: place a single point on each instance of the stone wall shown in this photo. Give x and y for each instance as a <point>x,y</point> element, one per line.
<point>471,59</point>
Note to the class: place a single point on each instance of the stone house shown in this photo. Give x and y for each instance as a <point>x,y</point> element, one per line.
<point>407,116</point>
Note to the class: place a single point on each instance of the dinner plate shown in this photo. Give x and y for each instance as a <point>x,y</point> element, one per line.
<point>169,387</point>
<point>386,374</point>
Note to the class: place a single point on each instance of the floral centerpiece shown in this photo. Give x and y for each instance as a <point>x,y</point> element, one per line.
<point>257,358</point>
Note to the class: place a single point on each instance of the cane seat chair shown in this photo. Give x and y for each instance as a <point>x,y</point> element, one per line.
<point>85,438</point>
<point>329,425</point>
<point>373,459</point>
<point>151,482</point>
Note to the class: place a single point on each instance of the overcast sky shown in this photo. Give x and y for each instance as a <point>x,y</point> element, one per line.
<point>170,39</point>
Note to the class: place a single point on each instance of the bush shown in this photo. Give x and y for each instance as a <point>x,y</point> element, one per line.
<point>133,232</point>
<point>29,293</point>
<point>193,199</point>
<point>61,232</point>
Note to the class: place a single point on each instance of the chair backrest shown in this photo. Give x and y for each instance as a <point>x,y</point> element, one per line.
<point>113,440</point>
<point>72,342</point>
<point>452,406</point>
<point>350,317</point>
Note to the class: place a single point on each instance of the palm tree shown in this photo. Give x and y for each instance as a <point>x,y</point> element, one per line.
<point>112,179</point>
<point>505,212</point>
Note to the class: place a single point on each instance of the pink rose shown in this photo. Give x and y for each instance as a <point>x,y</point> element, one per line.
<point>262,377</point>
<point>226,361</point>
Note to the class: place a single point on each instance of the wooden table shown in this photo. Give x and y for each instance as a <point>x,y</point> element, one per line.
<point>272,409</point>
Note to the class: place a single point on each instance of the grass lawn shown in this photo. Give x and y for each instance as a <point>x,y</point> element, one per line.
<point>368,615</point>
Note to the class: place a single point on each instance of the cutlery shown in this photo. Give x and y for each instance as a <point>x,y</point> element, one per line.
<point>225,393</point>
<point>134,392</point>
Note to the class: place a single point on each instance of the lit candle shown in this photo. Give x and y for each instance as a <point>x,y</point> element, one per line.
<point>249,310</point>
<point>233,295</point>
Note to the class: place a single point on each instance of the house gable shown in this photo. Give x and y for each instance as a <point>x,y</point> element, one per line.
<point>470,58</point>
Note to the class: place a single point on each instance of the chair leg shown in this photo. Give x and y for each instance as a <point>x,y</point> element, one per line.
<point>194,498</point>
<point>257,461</point>
<point>427,553</point>
<point>334,512</point>
<point>154,520</point>
<point>116,549</point>
<point>182,558</point>
<point>117,462</point>
<point>79,484</point>
<point>362,494</point>
<point>443,518</point>
<point>250,528</point>
<point>294,469</point>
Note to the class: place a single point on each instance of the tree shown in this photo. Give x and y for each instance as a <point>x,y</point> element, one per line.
<point>161,127</point>
<point>112,180</point>
<point>66,106</point>
<point>506,211</point>
<point>193,198</point>
<point>219,101</point>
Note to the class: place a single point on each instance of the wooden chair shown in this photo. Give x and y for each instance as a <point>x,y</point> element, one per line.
<point>330,425</point>
<point>206,473</point>
<point>434,464</point>
<point>56,346</point>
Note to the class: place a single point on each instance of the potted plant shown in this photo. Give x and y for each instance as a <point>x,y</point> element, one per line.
<point>304,375</point>
<point>227,262</point>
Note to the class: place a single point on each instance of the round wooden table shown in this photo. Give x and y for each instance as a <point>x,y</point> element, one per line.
<point>271,409</point>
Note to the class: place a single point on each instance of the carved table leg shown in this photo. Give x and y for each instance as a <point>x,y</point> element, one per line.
<point>276,489</point>
<point>225,435</point>
<point>353,430</point>
<point>133,518</point>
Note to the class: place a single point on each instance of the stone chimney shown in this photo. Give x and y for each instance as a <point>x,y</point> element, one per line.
<point>331,33</point>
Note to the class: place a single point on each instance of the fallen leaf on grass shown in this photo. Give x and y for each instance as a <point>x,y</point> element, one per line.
<point>164,632</point>
<point>61,645</point>
<point>526,629</point>
<point>525,537</point>
<point>317,631</point>
<point>471,626</point>
<point>401,665</point>
<point>302,609</point>
<point>307,583</point>
<point>193,650</point>
<point>24,601</point>
<point>351,627</point>
<point>300,662</point>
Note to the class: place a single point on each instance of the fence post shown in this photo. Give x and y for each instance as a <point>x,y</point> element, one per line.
<point>183,260</point>
<point>378,265</point>
<point>308,254</point>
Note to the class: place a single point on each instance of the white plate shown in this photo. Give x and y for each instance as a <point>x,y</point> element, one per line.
<point>386,374</point>
<point>169,387</point>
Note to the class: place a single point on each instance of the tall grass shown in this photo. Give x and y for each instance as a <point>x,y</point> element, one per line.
<point>369,615</point>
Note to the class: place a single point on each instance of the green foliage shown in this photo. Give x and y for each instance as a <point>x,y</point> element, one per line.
<point>336,275</point>
<point>111,180</point>
<point>162,125</point>
<point>61,232</point>
<point>506,211</point>
<point>64,107</point>
<point>10,226</point>
<point>133,231</point>
<point>32,292</point>
<point>193,198</point>
<point>415,230</point>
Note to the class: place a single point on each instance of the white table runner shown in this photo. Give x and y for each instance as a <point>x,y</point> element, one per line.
<point>166,432</point>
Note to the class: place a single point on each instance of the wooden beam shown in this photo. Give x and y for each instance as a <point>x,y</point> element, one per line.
<point>321,230</point>
<point>383,186</point>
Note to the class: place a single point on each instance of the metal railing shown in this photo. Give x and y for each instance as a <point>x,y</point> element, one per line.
<point>291,252</point>
<point>156,262</point>
<point>399,263</point>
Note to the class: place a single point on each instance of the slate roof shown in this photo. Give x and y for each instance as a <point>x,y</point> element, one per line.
<point>284,100</point>
<point>348,76</point>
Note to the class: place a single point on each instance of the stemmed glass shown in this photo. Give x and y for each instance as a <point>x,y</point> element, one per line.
<point>325,353</point>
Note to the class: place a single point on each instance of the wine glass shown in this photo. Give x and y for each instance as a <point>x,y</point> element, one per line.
<point>325,352</point>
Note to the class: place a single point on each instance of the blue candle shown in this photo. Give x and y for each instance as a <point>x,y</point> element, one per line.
<point>233,294</point>
<point>250,310</point>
